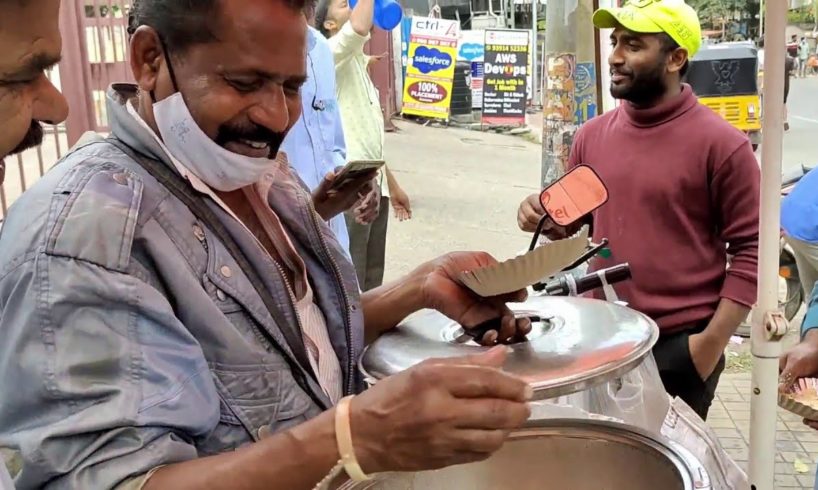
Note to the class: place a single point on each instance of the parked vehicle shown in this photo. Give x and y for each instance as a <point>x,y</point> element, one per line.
<point>725,78</point>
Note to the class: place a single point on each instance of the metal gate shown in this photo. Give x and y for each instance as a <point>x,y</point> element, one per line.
<point>95,50</point>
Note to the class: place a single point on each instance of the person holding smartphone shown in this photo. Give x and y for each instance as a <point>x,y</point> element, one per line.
<point>348,30</point>
<point>315,146</point>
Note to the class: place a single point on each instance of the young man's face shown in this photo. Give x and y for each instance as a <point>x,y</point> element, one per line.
<point>30,43</point>
<point>337,15</point>
<point>243,90</point>
<point>640,65</point>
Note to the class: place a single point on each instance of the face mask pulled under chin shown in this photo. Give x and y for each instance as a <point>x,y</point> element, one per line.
<point>217,167</point>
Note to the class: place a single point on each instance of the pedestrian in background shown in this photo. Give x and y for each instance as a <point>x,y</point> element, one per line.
<point>803,57</point>
<point>348,31</point>
<point>315,145</point>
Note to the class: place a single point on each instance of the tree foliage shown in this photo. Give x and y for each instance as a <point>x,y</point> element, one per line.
<point>716,12</point>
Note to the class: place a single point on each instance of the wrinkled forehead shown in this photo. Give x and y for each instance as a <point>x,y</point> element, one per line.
<point>29,34</point>
<point>270,36</point>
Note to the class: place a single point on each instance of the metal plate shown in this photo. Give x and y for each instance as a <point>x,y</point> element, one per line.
<point>585,343</point>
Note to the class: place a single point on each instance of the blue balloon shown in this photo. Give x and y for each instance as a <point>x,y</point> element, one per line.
<point>388,13</point>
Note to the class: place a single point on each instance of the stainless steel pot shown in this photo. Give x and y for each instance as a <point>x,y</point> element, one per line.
<point>578,344</point>
<point>581,343</point>
<point>564,454</point>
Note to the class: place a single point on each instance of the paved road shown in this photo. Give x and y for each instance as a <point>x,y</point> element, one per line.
<point>801,141</point>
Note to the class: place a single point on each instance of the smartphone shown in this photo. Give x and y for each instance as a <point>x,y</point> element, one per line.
<point>354,169</point>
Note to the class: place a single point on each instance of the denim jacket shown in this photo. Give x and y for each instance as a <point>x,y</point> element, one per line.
<point>129,336</point>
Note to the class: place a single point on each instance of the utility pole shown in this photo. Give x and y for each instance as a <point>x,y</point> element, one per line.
<point>535,73</point>
<point>569,80</point>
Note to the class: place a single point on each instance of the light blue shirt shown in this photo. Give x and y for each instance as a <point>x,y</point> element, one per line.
<point>315,145</point>
<point>799,210</point>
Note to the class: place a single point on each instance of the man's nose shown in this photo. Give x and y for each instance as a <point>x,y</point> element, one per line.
<point>49,104</point>
<point>271,112</point>
<point>616,58</point>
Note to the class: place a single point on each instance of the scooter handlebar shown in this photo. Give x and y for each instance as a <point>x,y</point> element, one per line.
<point>568,286</point>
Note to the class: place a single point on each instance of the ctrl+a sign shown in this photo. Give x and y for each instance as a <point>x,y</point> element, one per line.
<point>427,92</point>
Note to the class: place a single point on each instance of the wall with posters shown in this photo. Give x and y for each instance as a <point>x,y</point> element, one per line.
<point>430,70</point>
<point>505,73</point>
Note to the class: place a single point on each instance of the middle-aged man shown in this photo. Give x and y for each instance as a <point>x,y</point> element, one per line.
<point>175,315</point>
<point>30,43</point>
<point>684,194</point>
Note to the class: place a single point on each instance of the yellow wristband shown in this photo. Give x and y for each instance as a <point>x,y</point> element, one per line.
<point>343,436</point>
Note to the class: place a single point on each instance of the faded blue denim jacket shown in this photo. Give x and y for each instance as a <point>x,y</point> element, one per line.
<point>129,336</point>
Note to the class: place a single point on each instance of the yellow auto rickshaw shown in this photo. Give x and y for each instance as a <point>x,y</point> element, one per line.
<point>725,78</point>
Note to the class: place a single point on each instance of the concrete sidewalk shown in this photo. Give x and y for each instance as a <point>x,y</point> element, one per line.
<point>465,187</point>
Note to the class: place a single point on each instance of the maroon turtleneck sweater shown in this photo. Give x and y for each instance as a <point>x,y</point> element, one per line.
<point>684,194</point>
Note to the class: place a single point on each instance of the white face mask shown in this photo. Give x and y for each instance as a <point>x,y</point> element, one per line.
<point>219,168</point>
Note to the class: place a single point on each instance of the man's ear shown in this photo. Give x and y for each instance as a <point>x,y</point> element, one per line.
<point>678,58</point>
<point>146,57</point>
<point>330,25</point>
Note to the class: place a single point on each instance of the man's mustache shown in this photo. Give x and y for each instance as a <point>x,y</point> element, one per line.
<point>255,133</point>
<point>32,139</point>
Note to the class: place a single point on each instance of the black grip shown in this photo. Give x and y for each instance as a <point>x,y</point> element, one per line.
<point>478,331</point>
<point>612,275</point>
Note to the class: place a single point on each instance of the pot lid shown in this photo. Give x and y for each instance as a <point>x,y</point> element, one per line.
<point>578,343</point>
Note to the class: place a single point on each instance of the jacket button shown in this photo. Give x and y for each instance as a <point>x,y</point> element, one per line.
<point>199,233</point>
<point>263,432</point>
<point>220,295</point>
<point>120,178</point>
<point>226,272</point>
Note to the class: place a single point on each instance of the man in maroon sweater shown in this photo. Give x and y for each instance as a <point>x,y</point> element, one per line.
<point>684,196</point>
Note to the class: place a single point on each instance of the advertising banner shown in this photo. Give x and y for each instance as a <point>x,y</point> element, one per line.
<point>430,71</point>
<point>471,48</point>
<point>505,73</point>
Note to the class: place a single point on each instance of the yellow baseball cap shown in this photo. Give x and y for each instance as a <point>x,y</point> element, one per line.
<point>673,17</point>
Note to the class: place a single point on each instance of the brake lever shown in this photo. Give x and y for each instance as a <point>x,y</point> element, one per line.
<point>588,255</point>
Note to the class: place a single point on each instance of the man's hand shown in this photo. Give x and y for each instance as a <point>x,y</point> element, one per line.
<point>368,207</point>
<point>705,353</point>
<point>400,203</point>
<point>530,214</point>
<point>331,202</point>
<point>442,291</point>
<point>371,60</point>
<point>800,362</point>
<point>438,413</point>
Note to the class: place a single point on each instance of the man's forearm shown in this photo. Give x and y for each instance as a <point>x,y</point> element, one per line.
<point>729,316</point>
<point>361,17</point>
<point>294,460</point>
<point>384,307</point>
<point>391,181</point>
